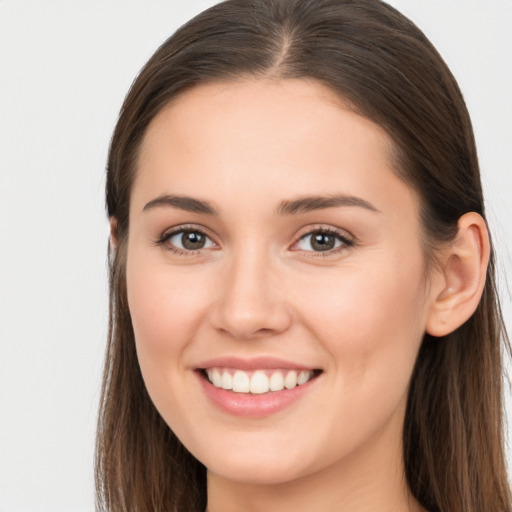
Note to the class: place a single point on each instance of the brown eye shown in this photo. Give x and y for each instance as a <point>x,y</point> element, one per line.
<point>323,241</point>
<point>188,240</point>
<point>191,240</point>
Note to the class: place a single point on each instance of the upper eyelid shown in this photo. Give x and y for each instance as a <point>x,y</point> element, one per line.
<point>187,227</point>
<point>309,230</point>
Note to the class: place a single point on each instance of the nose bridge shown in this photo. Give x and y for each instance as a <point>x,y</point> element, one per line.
<point>250,300</point>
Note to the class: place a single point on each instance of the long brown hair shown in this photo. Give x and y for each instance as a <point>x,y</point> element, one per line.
<point>384,66</point>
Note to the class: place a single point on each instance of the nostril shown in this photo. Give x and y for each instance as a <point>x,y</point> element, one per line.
<point>251,323</point>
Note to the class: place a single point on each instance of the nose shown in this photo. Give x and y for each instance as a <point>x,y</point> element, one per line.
<point>251,300</point>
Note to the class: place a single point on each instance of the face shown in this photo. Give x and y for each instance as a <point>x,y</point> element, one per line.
<point>275,279</point>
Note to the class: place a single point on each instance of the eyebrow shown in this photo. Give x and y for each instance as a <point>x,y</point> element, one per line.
<point>292,207</point>
<point>186,203</point>
<point>311,203</point>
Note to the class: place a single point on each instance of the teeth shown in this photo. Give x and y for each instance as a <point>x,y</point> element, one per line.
<point>226,381</point>
<point>290,381</point>
<point>240,382</point>
<point>276,382</point>
<point>216,378</point>
<point>303,378</point>
<point>258,382</point>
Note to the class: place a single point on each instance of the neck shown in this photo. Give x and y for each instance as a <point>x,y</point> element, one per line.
<point>372,478</point>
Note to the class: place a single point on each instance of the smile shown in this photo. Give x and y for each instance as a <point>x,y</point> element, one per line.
<point>258,381</point>
<point>256,387</point>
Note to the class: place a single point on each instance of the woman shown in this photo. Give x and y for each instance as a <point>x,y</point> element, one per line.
<point>303,305</point>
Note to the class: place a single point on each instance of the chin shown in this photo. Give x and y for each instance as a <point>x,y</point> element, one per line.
<point>259,463</point>
<point>256,472</point>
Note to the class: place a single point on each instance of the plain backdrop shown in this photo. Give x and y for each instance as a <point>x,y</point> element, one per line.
<point>65,67</point>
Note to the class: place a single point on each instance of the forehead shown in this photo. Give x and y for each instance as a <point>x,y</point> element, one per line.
<point>270,137</point>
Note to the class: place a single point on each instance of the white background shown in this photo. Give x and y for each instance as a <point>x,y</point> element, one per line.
<point>65,67</point>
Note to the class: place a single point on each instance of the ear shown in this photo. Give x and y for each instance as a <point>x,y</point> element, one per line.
<point>113,233</point>
<point>459,283</point>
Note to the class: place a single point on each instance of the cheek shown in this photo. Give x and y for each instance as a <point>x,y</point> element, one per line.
<point>370,320</point>
<point>165,307</point>
<point>371,324</point>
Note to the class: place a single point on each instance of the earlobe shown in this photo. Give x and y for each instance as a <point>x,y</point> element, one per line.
<point>113,233</point>
<point>461,278</point>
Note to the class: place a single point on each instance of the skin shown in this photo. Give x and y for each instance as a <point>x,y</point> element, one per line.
<point>258,288</point>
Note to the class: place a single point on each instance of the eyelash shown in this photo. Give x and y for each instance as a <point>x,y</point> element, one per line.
<point>164,239</point>
<point>346,242</point>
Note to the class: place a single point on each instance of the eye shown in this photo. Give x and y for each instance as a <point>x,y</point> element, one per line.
<point>323,240</point>
<point>186,240</point>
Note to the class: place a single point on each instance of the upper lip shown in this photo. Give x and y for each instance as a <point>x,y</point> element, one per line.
<point>256,363</point>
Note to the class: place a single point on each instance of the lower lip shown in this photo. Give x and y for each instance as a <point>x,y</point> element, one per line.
<point>253,406</point>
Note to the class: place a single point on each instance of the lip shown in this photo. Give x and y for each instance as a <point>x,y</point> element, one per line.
<point>250,405</point>
<point>256,363</point>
